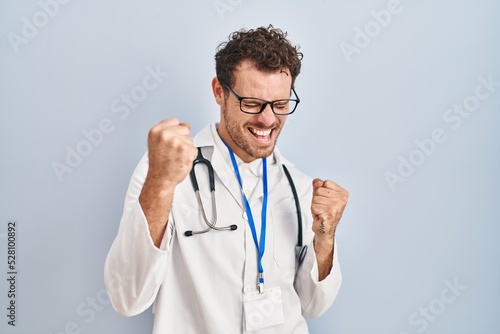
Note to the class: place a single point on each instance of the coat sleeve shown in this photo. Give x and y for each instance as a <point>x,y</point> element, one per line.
<point>317,297</point>
<point>134,267</point>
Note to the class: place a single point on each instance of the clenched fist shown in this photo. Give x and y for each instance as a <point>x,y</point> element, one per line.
<point>328,203</point>
<point>171,152</point>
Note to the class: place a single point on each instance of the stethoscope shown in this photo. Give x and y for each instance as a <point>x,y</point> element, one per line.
<point>211,225</point>
<point>301,249</point>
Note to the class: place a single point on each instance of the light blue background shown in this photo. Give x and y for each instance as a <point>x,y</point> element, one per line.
<point>397,248</point>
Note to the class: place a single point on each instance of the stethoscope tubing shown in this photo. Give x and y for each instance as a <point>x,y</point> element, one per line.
<point>211,176</point>
<point>211,225</point>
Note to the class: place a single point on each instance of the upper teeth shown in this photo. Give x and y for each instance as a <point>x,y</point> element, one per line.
<point>261,132</point>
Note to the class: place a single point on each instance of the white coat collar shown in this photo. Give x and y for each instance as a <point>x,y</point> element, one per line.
<point>215,151</point>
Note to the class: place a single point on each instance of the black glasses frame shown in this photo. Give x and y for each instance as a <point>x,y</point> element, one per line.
<point>265,102</point>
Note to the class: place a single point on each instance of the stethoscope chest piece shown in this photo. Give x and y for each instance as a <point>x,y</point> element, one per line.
<point>300,252</point>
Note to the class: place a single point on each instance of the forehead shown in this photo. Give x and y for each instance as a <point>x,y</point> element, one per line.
<point>250,80</point>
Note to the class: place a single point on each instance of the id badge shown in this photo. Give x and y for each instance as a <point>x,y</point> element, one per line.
<point>263,310</point>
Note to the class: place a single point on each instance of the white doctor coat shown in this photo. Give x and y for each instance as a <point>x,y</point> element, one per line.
<point>198,283</point>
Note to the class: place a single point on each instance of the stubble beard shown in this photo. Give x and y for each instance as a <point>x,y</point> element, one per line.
<point>237,136</point>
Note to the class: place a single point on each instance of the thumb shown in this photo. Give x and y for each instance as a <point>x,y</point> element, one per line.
<point>187,125</point>
<point>317,183</point>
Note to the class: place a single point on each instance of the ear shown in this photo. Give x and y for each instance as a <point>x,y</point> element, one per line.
<point>218,91</point>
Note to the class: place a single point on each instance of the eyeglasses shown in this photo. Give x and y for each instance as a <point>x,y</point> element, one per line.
<point>252,105</point>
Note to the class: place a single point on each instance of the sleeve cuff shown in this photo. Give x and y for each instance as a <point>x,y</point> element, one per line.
<point>310,261</point>
<point>140,229</point>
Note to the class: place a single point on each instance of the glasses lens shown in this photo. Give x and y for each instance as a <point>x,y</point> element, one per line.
<point>280,107</point>
<point>283,107</point>
<point>252,106</point>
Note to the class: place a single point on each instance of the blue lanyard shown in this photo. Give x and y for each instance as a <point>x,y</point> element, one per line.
<point>261,246</point>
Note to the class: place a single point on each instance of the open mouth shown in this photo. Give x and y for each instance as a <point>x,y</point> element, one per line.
<point>262,136</point>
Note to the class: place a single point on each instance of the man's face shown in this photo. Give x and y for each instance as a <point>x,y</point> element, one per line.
<point>252,136</point>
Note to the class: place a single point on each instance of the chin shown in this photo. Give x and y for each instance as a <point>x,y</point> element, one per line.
<point>261,152</point>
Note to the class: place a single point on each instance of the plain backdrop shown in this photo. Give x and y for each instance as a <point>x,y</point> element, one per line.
<point>400,105</point>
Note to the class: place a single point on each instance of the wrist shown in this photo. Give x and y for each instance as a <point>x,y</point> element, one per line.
<point>159,182</point>
<point>324,242</point>
<point>324,249</point>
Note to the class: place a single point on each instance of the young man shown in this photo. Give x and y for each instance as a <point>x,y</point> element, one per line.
<point>225,262</point>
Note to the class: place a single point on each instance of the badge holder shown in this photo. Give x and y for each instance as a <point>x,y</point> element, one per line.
<point>263,310</point>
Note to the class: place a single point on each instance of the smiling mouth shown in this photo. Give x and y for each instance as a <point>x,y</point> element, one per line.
<point>260,134</point>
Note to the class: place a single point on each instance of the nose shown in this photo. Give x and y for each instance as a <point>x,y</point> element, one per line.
<point>267,117</point>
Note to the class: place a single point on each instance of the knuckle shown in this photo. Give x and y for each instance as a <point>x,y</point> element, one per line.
<point>182,148</point>
<point>153,132</point>
<point>185,129</point>
<point>176,142</point>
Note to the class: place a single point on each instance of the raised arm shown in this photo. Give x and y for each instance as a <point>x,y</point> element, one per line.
<point>328,203</point>
<point>171,154</point>
<point>134,266</point>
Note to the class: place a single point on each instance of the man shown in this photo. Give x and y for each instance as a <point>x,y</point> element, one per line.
<point>227,264</point>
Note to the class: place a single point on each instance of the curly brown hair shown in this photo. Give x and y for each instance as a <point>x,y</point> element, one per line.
<point>267,48</point>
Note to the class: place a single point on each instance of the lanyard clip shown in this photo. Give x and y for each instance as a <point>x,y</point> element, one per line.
<point>260,285</point>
